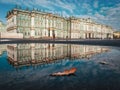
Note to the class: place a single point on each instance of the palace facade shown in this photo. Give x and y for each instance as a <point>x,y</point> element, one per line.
<point>5,34</point>
<point>2,27</point>
<point>116,35</point>
<point>39,24</point>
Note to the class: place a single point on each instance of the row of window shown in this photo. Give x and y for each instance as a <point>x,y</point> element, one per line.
<point>27,17</point>
<point>23,17</point>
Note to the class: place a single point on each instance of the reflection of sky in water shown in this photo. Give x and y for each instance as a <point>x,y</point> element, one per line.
<point>90,74</point>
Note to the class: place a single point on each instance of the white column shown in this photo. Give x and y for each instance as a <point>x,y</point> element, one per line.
<point>32,21</point>
<point>15,21</point>
<point>32,26</point>
<point>15,53</point>
<point>32,52</point>
<point>50,33</point>
<point>47,23</point>
<point>32,33</point>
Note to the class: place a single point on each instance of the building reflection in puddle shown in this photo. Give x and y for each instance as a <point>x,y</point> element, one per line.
<point>3,48</point>
<point>31,54</point>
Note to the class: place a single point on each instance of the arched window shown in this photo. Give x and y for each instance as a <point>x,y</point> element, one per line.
<point>35,32</point>
<point>25,33</point>
<point>28,33</point>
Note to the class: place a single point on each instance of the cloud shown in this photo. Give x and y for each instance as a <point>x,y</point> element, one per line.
<point>65,14</point>
<point>95,4</point>
<point>86,8</point>
<point>65,5</point>
<point>10,2</point>
<point>86,5</point>
<point>99,16</point>
<point>48,4</point>
<point>113,16</point>
<point>114,12</point>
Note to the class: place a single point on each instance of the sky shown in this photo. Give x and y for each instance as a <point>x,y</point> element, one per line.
<point>102,11</point>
